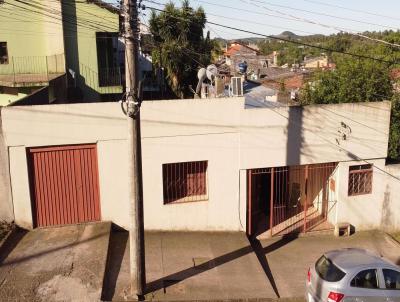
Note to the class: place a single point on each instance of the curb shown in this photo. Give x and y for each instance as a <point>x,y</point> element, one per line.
<point>296,299</point>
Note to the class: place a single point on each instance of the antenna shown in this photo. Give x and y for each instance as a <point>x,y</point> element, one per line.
<point>212,72</point>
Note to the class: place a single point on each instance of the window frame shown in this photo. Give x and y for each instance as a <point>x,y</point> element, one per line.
<point>377,277</point>
<point>383,278</point>
<point>330,262</point>
<point>188,198</point>
<point>361,171</point>
<point>7,55</point>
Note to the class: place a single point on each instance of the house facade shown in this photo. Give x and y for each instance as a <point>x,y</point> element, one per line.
<point>208,165</point>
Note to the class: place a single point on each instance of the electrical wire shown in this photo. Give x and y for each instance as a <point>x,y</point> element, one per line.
<point>301,19</point>
<point>323,14</point>
<point>352,9</point>
<point>56,15</point>
<point>291,18</point>
<point>360,56</point>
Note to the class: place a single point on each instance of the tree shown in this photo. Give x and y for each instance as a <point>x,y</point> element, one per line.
<point>353,80</point>
<point>180,45</point>
<point>394,137</point>
<point>358,80</point>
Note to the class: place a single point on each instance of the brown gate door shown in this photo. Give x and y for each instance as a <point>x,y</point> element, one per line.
<point>65,185</point>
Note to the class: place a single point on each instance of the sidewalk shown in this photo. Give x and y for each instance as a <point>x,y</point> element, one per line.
<point>55,264</point>
<point>224,266</point>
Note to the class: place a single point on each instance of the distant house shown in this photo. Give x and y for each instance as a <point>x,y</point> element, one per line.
<point>239,52</point>
<point>316,62</point>
<point>395,76</point>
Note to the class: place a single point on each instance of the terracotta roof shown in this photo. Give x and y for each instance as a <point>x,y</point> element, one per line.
<point>294,81</point>
<point>236,48</point>
<point>105,5</point>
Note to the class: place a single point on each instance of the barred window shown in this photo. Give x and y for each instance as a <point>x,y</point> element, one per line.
<point>185,182</point>
<point>360,180</point>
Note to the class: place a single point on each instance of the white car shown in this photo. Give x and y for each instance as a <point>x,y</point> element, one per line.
<point>353,275</point>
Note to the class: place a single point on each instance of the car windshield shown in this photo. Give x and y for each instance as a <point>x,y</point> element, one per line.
<point>328,271</point>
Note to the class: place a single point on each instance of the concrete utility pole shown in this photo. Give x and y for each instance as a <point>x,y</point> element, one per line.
<point>135,182</point>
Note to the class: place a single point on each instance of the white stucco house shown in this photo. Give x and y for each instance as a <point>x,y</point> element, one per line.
<point>208,164</point>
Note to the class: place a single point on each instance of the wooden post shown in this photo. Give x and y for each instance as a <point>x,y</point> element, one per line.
<point>135,182</point>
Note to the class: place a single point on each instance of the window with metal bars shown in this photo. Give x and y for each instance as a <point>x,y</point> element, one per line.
<point>3,53</point>
<point>185,182</point>
<point>360,180</point>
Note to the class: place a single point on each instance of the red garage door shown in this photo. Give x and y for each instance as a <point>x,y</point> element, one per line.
<point>65,185</point>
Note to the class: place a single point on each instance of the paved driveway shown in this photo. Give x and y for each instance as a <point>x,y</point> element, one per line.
<point>289,264</point>
<point>55,264</point>
<point>201,266</point>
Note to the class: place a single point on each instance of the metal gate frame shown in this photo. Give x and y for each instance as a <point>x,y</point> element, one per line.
<point>288,213</point>
<point>64,184</point>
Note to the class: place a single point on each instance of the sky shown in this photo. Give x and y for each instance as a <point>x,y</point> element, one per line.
<point>302,17</point>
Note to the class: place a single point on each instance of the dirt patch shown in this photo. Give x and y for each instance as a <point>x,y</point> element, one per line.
<point>61,288</point>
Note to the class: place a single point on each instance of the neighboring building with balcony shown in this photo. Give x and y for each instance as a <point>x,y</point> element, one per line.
<point>59,49</point>
<point>93,50</point>
<point>31,52</point>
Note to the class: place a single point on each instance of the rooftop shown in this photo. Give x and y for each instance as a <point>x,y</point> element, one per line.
<point>236,47</point>
<point>351,258</point>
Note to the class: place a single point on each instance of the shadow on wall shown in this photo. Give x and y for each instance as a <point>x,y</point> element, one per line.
<point>295,138</point>
<point>387,219</point>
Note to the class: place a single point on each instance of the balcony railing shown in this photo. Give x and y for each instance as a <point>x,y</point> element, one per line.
<point>110,77</point>
<point>31,70</point>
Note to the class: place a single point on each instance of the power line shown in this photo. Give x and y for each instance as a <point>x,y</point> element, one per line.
<point>301,19</point>
<point>290,17</point>
<point>55,15</point>
<point>323,14</point>
<point>352,9</point>
<point>243,10</point>
<point>360,56</point>
<point>337,146</point>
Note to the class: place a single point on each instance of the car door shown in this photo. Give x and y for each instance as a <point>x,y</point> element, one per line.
<point>364,287</point>
<point>391,284</point>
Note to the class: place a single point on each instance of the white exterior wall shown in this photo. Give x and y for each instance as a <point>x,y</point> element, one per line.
<point>231,138</point>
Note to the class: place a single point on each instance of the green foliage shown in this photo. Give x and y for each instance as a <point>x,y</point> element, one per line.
<point>359,80</point>
<point>341,42</point>
<point>293,54</point>
<point>394,137</point>
<point>354,80</point>
<point>180,46</point>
